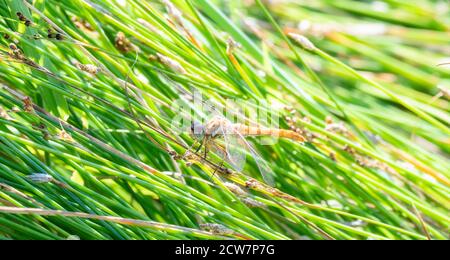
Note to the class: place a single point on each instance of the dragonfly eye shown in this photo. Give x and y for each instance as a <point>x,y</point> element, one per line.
<point>197,129</point>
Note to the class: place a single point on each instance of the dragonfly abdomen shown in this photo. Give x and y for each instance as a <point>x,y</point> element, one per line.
<point>273,132</point>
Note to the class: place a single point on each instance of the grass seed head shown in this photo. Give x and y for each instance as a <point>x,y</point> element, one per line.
<point>356,223</point>
<point>171,63</point>
<point>59,37</point>
<point>122,43</point>
<point>253,203</point>
<point>40,178</point>
<point>28,105</point>
<point>73,237</point>
<point>252,184</point>
<point>235,189</point>
<point>89,68</point>
<point>149,26</point>
<point>217,229</point>
<point>333,156</point>
<point>174,13</point>
<point>64,136</point>
<point>304,42</point>
<point>444,91</point>
<point>4,114</point>
<point>338,128</point>
<point>82,24</point>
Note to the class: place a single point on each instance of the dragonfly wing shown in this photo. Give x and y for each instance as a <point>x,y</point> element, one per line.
<point>235,155</point>
<point>263,167</point>
<point>239,145</point>
<point>219,149</point>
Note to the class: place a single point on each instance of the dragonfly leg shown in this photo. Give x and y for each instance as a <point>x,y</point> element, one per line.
<point>206,152</point>
<point>216,169</point>
<point>201,144</point>
<point>189,150</point>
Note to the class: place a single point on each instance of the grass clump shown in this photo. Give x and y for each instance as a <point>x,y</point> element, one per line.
<point>87,148</point>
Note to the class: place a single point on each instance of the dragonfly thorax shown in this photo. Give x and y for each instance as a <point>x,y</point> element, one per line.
<point>211,129</point>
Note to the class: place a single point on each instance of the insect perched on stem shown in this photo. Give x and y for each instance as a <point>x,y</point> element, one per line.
<point>234,144</point>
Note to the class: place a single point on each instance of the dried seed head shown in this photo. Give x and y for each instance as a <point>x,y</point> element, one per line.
<point>349,149</point>
<point>172,64</point>
<point>307,119</point>
<point>290,109</point>
<point>16,53</point>
<point>149,26</point>
<point>333,156</point>
<point>339,128</point>
<point>444,91</point>
<point>15,109</point>
<point>217,229</point>
<point>4,114</point>
<point>356,223</point>
<point>81,24</point>
<point>89,68</point>
<point>28,23</point>
<point>73,237</point>
<point>304,42</point>
<point>40,178</point>
<point>64,136</point>
<point>174,174</point>
<point>122,43</point>
<point>59,37</point>
<point>173,12</point>
<point>253,203</point>
<point>13,47</point>
<point>173,153</point>
<point>332,204</point>
<point>28,105</point>
<point>251,184</point>
<point>235,189</point>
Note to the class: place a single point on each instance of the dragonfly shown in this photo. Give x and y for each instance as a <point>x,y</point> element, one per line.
<point>234,146</point>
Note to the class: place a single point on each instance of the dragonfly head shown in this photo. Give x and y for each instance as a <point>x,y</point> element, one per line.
<point>197,130</point>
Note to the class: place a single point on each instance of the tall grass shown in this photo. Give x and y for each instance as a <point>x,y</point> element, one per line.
<point>86,93</point>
